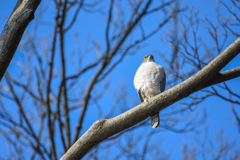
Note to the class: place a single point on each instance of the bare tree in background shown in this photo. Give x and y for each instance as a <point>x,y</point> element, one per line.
<point>56,86</point>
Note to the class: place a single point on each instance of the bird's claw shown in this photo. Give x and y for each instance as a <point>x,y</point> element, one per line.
<point>146,100</point>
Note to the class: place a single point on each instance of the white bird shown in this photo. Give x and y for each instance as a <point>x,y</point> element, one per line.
<point>149,81</point>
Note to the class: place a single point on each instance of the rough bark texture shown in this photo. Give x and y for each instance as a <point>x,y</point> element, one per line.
<point>12,33</point>
<point>104,128</point>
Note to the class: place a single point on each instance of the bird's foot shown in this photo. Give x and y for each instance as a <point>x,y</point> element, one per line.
<point>146,100</point>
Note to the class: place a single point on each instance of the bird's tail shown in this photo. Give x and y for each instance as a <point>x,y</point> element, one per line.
<point>155,120</point>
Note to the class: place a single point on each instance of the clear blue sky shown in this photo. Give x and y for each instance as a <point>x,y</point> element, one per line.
<point>218,110</point>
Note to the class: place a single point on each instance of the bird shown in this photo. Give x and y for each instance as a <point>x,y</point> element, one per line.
<point>149,81</point>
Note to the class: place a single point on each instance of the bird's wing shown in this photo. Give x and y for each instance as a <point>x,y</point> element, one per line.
<point>140,95</point>
<point>163,82</point>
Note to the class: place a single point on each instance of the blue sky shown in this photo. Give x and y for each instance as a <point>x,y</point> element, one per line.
<point>218,110</point>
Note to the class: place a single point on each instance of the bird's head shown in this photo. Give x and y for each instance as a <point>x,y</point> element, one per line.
<point>148,58</point>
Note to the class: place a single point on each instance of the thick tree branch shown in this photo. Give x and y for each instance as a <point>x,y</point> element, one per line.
<point>12,33</point>
<point>104,128</point>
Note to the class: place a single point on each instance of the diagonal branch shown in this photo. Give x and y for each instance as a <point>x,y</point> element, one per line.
<point>75,16</point>
<point>108,25</point>
<point>104,128</point>
<point>12,33</point>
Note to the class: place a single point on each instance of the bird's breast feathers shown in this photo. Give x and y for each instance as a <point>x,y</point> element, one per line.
<point>148,77</point>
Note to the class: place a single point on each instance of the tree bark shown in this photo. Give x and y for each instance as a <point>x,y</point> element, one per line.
<point>104,128</point>
<point>12,32</point>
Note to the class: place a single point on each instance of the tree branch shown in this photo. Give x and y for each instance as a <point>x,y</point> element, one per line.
<point>12,33</point>
<point>227,75</point>
<point>63,77</point>
<point>104,128</point>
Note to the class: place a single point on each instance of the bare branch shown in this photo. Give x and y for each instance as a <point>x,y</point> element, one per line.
<point>12,33</point>
<point>105,128</point>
